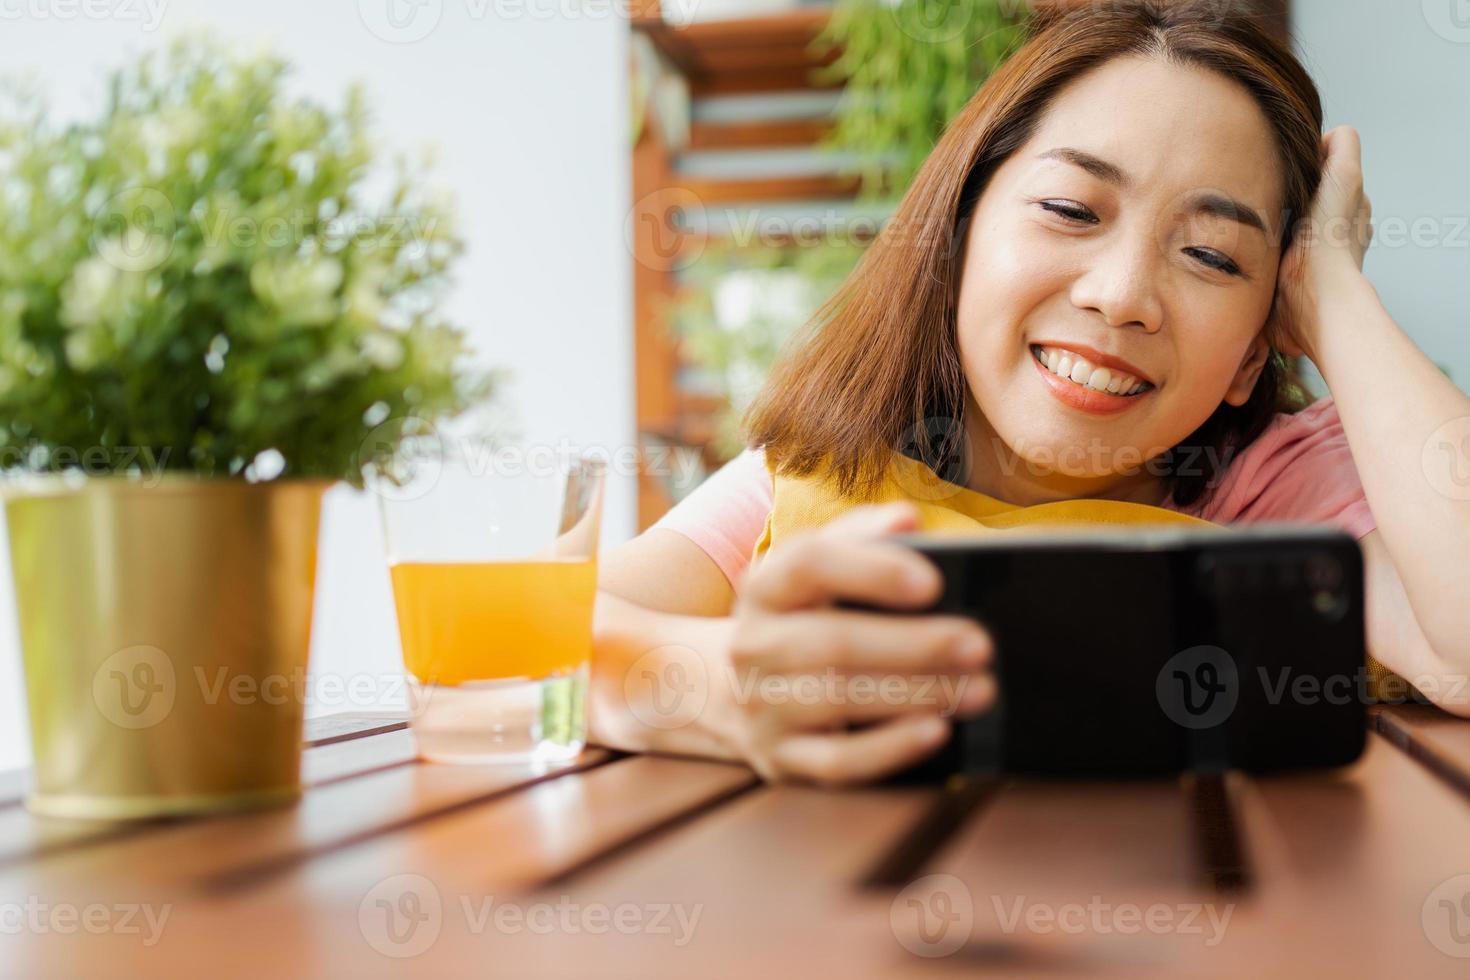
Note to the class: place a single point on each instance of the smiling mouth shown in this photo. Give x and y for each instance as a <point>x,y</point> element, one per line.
<point>1081,372</point>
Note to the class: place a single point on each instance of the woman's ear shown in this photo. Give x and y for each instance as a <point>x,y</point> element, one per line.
<point>1249,371</point>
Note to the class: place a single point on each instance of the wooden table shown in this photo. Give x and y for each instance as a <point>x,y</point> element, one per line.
<point>644,866</point>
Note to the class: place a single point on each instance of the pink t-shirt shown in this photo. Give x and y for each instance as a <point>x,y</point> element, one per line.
<point>1299,469</point>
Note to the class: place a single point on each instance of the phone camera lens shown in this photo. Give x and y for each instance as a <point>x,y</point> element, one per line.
<point>1329,605</point>
<point>1324,572</point>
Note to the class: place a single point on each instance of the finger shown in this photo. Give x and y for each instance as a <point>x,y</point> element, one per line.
<point>854,757</point>
<point>863,642</point>
<point>813,702</point>
<point>817,568</point>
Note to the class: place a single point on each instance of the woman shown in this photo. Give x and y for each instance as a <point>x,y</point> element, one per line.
<point>1082,310</point>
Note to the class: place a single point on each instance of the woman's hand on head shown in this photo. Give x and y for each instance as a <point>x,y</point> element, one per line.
<point>1328,249</point>
<point>833,695</point>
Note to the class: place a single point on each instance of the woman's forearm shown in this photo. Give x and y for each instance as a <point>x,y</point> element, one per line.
<point>656,680</point>
<point>1395,405</point>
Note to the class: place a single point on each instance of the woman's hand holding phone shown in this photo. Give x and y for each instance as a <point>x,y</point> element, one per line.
<point>833,695</point>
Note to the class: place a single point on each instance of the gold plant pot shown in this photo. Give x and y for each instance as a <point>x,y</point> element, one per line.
<point>164,630</point>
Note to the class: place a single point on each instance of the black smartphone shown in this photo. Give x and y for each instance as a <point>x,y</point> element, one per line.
<point>1148,651</point>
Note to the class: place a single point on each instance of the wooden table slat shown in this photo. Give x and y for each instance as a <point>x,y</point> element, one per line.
<point>337,814</point>
<point>1438,740</point>
<point>326,730</point>
<point>547,833</point>
<point>26,836</point>
<point>351,724</point>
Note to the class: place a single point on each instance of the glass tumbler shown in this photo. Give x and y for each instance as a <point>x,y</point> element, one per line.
<point>493,561</point>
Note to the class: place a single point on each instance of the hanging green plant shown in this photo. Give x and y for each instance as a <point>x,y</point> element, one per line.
<point>907,68</point>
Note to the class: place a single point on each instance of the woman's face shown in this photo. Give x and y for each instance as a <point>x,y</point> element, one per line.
<point>1131,242</point>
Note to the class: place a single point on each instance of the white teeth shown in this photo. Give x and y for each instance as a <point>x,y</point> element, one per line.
<point>1080,371</point>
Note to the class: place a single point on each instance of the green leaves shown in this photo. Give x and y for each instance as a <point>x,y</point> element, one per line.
<point>909,66</point>
<point>213,270</point>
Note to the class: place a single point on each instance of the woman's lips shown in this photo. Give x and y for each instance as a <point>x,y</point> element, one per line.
<point>1086,399</point>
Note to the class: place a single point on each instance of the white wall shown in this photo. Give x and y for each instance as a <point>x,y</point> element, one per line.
<point>1398,71</point>
<point>527,104</point>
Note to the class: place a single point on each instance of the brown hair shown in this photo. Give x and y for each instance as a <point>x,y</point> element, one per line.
<point>877,369</point>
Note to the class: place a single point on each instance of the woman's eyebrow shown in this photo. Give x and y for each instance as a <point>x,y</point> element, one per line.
<point>1209,202</point>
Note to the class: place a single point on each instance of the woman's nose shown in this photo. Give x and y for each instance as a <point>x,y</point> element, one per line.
<point>1120,284</point>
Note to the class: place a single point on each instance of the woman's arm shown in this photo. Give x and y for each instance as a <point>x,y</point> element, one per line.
<point>661,602</point>
<point>1408,427</point>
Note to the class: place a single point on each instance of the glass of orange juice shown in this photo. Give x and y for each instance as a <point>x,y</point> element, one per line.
<point>493,561</point>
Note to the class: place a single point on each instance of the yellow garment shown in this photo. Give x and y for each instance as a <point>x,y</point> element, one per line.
<point>811,501</point>
<point>801,503</point>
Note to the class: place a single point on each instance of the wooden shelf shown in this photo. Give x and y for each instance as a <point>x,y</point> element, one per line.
<point>751,54</point>
<point>770,189</point>
<point>746,135</point>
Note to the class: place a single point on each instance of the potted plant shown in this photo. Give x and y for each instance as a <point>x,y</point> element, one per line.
<point>206,318</point>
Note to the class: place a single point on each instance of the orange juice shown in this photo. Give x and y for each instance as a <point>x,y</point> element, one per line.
<point>465,621</point>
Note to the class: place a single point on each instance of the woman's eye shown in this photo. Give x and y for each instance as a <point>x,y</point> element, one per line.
<point>1214,260</point>
<point>1070,210</point>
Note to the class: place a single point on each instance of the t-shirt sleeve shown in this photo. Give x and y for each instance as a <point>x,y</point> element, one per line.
<point>1300,469</point>
<point>726,514</point>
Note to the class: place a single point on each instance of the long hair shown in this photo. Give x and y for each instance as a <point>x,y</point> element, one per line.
<point>879,361</point>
